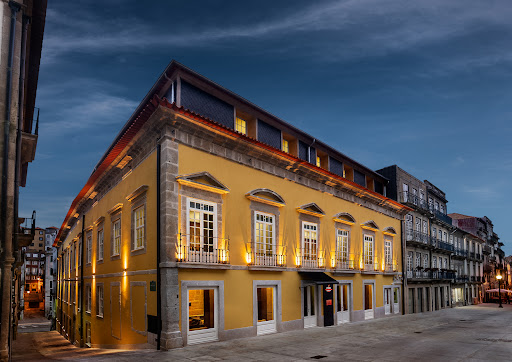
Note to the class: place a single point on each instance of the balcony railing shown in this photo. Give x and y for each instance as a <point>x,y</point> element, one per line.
<point>478,256</point>
<point>388,268</point>
<point>461,278</point>
<point>444,245</point>
<point>486,249</point>
<point>418,237</point>
<point>419,274</point>
<point>471,254</point>
<point>443,217</point>
<point>309,259</point>
<point>267,257</point>
<point>411,199</point>
<point>344,261</point>
<point>206,250</point>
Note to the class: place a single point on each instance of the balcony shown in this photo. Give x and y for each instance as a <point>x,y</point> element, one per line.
<point>343,261</point>
<point>461,279</point>
<point>419,274</point>
<point>310,259</point>
<point>478,256</point>
<point>413,200</point>
<point>460,252</point>
<point>444,246</point>
<point>205,252</point>
<point>417,237</point>
<point>486,249</point>
<point>472,255</point>
<point>266,257</point>
<point>443,217</point>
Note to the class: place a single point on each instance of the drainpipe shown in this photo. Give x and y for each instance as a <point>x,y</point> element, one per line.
<point>158,228</point>
<point>6,285</point>
<point>404,267</point>
<point>309,150</point>
<point>82,286</point>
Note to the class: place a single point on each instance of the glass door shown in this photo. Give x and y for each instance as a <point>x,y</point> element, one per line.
<point>396,300</point>
<point>368,302</point>
<point>202,315</point>
<point>387,300</point>
<point>310,300</point>
<point>343,306</point>
<point>266,310</point>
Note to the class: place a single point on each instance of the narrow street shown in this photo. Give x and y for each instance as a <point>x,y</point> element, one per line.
<point>474,333</point>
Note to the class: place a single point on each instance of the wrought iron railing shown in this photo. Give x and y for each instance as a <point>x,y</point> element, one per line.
<point>262,255</point>
<point>417,236</point>
<point>345,261</point>
<point>408,198</point>
<point>208,250</point>
<point>444,245</point>
<point>310,259</point>
<point>443,217</point>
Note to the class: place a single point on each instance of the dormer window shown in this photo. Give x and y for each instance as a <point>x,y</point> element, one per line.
<point>286,146</point>
<point>241,125</point>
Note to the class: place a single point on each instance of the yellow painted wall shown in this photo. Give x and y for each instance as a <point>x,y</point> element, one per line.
<point>237,227</point>
<point>143,174</point>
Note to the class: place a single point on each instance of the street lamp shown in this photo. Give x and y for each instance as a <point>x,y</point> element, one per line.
<point>499,288</point>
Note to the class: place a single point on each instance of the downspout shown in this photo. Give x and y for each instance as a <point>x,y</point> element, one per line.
<point>158,228</point>
<point>5,171</point>
<point>21,100</point>
<point>82,286</point>
<point>309,150</point>
<point>404,267</point>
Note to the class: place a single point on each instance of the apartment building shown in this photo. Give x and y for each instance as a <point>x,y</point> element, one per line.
<point>21,41</point>
<point>34,266</point>
<point>427,250</point>
<point>50,280</point>
<point>492,256</point>
<point>208,218</point>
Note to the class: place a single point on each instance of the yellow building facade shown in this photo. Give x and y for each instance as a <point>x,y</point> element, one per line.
<point>210,219</point>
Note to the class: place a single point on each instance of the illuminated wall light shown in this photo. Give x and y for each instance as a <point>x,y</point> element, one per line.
<point>297,260</point>
<point>248,257</point>
<point>333,262</point>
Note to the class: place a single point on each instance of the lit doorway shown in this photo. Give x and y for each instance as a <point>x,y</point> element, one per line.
<point>202,315</point>
<point>267,308</point>
<point>369,308</point>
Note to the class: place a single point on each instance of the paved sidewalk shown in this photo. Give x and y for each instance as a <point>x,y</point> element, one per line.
<point>474,333</point>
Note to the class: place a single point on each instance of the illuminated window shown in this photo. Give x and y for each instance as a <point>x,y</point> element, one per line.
<point>116,236</point>
<point>310,240</point>
<point>264,235</point>
<point>286,146</point>
<point>88,298</point>
<point>368,250</point>
<point>241,125</point>
<point>99,254</point>
<point>138,227</point>
<point>318,161</point>
<point>388,252</point>
<point>202,230</point>
<point>342,245</point>
<point>99,300</point>
<point>88,244</point>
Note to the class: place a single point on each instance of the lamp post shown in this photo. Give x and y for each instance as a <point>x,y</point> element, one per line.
<point>499,288</point>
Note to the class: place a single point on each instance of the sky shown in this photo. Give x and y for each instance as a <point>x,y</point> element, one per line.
<point>424,84</point>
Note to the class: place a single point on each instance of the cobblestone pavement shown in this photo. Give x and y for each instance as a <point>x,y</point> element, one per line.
<point>473,333</point>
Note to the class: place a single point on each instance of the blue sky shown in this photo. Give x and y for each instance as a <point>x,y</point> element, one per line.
<point>422,84</point>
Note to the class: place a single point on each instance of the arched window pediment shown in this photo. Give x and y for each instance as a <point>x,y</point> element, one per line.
<point>389,231</point>
<point>266,196</point>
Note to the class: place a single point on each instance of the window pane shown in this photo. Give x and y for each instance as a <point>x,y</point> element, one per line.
<point>265,304</point>
<point>201,310</point>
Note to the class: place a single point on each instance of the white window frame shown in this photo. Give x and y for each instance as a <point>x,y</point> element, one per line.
<point>88,244</point>
<point>388,251</point>
<point>308,254</point>
<point>99,300</point>
<point>201,222</point>
<point>241,125</point>
<point>368,248</point>
<point>342,244</point>
<point>265,225</point>
<point>100,242</point>
<point>116,238</point>
<point>88,300</point>
<point>138,243</point>
<point>418,260</point>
